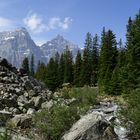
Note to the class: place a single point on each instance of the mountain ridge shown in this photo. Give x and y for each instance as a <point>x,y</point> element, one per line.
<point>17,44</point>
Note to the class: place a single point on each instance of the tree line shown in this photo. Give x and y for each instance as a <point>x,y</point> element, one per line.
<point>103,62</point>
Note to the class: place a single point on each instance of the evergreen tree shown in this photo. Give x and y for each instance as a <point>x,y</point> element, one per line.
<point>117,75</point>
<point>77,69</point>
<point>108,59</point>
<point>86,69</point>
<point>51,79</point>
<point>95,57</point>
<point>61,68</point>
<point>87,61</point>
<point>133,52</point>
<point>68,69</point>
<point>25,65</point>
<point>32,72</point>
<point>41,71</point>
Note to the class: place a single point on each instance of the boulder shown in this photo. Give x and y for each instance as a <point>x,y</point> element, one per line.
<point>47,105</point>
<point>90,127</point>
<point>31,111</point>
<point>21,120</point>
<point>37,101</point>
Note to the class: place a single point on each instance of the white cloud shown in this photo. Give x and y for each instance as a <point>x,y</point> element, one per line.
<point>4,22</point>
<point>36,24</point>
<point>56,22</point>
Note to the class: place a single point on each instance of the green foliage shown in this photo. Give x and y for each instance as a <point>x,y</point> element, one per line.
<point>133,108</point>
<point>4,135</point>
<point>41,72</point>
<point>107,59</point>
<point>51,78</point>
<point>25,64</point>
<point>87,61</point>
<point>32,71</point>
<point>85,97</point>
<point>68,69</point>
<point>95,57</point>
<point>52,124</point>
<point>61,68</point>
<point>77,69</point>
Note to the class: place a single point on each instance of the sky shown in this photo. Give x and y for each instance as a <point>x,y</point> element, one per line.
<point>44,19</point>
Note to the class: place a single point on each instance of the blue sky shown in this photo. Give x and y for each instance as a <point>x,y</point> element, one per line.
<point>44,19</point>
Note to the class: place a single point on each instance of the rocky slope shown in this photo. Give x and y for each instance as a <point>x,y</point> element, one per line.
<point>19,94</point>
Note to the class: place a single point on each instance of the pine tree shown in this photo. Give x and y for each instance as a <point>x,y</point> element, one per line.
<point>86,69</point>
<point>117,75</point>
<point>87,61</point>
<point>61,68</point>
<point>133,52</point>
<point>51,78</point>
<point>95,57</point>
<point>68,69</point>
<point>108,59</point>
<point>77,69</point>
<point>41,71</point>
<point>25,65</point>
<point>32,72</point>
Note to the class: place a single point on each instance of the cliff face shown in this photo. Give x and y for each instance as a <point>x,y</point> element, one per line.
<point>16,45</point>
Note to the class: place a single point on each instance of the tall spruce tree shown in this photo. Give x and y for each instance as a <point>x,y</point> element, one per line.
<point>61,68</point>
<point>95,57</point>
<point>77,69</point>
<point>68,68</point>
<point>51,79</point>
<point>41,71</point>
<point>133,52</point>
<point>87,61</point>
<point>25,65</point>
<point>117,77</point>
<point>108,59</point>
<point>32,72</point>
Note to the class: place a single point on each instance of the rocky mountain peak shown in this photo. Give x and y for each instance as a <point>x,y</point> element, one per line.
<point>16,45</point>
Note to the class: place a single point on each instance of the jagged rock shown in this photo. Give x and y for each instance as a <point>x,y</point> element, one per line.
<point>90,127</point>
<point>22,99</point>
<point>31,111</point>
<point>16,111</point>
<point>37,101</point>
<point>31,93</point>
<point>22,120</point>
<point>47,105</point>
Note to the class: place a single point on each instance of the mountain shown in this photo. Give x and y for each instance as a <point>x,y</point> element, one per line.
<point>16,45</point>
<point>58,44</point>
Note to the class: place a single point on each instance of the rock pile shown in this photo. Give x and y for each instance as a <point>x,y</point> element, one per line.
<point>19,93</point>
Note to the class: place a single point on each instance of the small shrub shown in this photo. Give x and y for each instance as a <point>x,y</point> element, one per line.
<point>52,124</point>
<point>4,135</point>
<point>133,108</point>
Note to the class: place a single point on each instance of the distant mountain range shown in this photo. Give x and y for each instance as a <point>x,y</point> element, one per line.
<point>16,45</point>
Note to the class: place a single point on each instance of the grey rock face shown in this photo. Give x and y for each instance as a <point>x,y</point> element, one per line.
<point>58,44</point>
<point>16,45</point>
<point>89,127</point>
